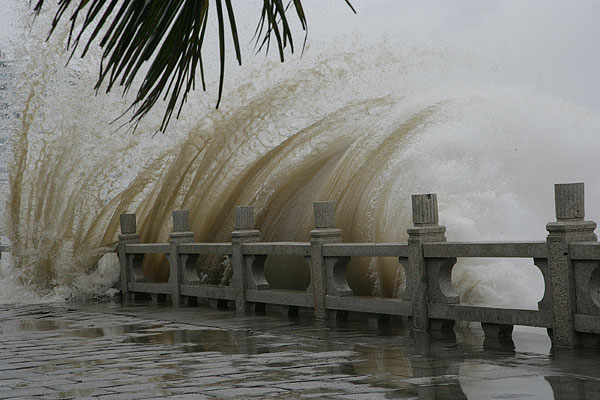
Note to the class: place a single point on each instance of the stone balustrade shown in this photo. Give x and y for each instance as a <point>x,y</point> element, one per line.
<point>4,249</point>
<point>569,260</point>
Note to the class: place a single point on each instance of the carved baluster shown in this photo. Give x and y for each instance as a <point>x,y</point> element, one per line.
<point>406,294</point>
<point>439,273</point>
<point>546,302</point>
<point>337,281</point>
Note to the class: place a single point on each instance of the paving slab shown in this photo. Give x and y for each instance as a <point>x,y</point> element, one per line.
<point>149,350</point>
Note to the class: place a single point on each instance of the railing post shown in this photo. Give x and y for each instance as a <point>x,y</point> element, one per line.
<point>244,233</point>
<point>128,236</point>
<point>426,229</point>
<point>181,234</point>
<point>569,227</point>
<point>324,232</point>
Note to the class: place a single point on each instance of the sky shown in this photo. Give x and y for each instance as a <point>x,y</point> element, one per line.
<point>551,46</point>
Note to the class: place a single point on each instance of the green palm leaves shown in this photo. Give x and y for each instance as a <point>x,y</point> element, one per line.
<point>168,34</point>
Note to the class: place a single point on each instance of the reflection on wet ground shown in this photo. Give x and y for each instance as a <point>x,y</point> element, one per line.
<point>145,351</point>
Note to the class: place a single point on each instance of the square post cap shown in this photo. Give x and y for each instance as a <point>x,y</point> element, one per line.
<point>324,214</point>
<point>244,218</point>
<point>181,221</point>
<point>424,209</point>
<point>569,201</point>
<point>128,224</point>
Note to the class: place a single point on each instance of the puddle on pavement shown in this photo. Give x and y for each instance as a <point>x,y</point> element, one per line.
<point>418,365</point>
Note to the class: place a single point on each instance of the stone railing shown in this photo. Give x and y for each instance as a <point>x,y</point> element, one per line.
<point>4,248</point>
<point>569,260</point>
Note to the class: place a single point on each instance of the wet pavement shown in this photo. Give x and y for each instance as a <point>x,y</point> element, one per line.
<point>146,350</point>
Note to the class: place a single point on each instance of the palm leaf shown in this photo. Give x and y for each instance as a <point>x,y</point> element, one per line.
<point>169,35</point>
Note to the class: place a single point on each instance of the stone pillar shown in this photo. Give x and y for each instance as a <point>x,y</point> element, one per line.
<point>426,229</point>
<point>181,234</point>
<point>128,236</point>
<point>569,227</point>
<point>244,233</point>
<point>324,232</point>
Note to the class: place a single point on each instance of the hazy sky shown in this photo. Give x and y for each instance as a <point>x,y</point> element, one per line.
<point>552,46</point>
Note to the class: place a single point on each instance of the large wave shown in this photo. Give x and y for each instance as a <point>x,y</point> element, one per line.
<point>364,127</point>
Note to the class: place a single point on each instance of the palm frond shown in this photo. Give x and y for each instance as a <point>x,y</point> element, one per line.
<point>169,35</point>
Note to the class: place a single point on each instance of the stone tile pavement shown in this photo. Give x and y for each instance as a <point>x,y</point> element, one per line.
<point>144,351</point>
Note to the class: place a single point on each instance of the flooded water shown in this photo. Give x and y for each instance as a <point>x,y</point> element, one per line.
<point>145,350</point>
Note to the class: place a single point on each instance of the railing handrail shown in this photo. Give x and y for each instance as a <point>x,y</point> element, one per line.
<point>277,248</point>
<point>585,251</point>
<point>205,248</point>
<point>365,249</point>
<point>500,249</point>
<point>147,248</point>
<point>483,249</point>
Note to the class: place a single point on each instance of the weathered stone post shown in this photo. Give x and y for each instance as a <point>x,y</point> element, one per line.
<point>324,232</point>
<point>128,236</point>
<point>426,229</point>
<point>181,234</point>
<point>569,227</point>
<point>244,233</point>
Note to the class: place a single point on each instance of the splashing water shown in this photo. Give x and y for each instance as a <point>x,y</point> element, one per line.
<point>364,127</point>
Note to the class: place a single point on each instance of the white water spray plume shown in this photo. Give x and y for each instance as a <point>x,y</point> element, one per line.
<point>483,103</point>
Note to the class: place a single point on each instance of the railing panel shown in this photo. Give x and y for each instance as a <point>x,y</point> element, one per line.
<point>365,250</point>
<point>281,297</point>
<point>205,248</point>
<point>375,305</point>
<point>486,249</point>
<point>505,316</point>
<point>277,248</point>
<point>148,248</point>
